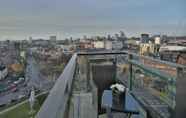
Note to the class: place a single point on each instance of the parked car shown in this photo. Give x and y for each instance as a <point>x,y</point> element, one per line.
<point>14,89</point>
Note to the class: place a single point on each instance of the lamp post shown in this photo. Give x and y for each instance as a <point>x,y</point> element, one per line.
<point>31,101</point>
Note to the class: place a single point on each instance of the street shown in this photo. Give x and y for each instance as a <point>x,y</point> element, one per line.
<point>33,78</point>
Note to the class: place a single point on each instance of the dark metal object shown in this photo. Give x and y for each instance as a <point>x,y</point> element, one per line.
<point>125,111</point>
<point>118,100</point>
<point>130,73</point>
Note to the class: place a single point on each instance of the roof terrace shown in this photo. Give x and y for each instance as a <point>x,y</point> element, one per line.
<point>156,88</point>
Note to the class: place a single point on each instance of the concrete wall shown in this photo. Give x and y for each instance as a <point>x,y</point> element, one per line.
<point>103,76</point>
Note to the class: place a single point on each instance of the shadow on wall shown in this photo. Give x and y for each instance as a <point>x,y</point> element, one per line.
<point>103,76</point>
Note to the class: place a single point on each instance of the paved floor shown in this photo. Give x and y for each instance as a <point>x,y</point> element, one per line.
<point>81,103</point>
<point>81,106</point>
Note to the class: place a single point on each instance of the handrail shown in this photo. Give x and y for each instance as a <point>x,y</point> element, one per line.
<point>134,54</point>
<point>56,103</point>
<point>153,71</point>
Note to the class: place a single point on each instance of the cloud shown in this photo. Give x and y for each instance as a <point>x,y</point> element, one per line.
<point>71,16</point>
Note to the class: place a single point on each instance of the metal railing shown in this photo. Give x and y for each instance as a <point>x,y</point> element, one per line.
<point>148,69</point>
<point>174,81</point>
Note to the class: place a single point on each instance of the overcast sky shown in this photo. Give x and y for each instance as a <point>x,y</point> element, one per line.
<point>64,18</point>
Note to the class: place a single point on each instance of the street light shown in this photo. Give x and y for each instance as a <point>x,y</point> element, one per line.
<point>31,101</point>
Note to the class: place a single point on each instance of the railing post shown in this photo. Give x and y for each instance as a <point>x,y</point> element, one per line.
<point>115,68</point>
<point>130,73</point>
<point>180,109</point>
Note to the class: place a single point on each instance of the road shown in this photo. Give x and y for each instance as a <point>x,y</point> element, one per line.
<point>32,73</point>
<point>34,77</point>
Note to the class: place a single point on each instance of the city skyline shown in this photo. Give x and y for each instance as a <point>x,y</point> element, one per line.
<point>41,18</point>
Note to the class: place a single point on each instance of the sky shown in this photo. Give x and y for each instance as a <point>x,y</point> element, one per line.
<point>20,19</point>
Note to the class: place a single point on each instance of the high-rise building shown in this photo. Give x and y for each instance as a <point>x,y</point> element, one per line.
<point>30,38</point>
<point>145,38</point>
<point>53,38</point>
<point>116,36</point>
<point>122,34</point>
<point>109,37</point>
